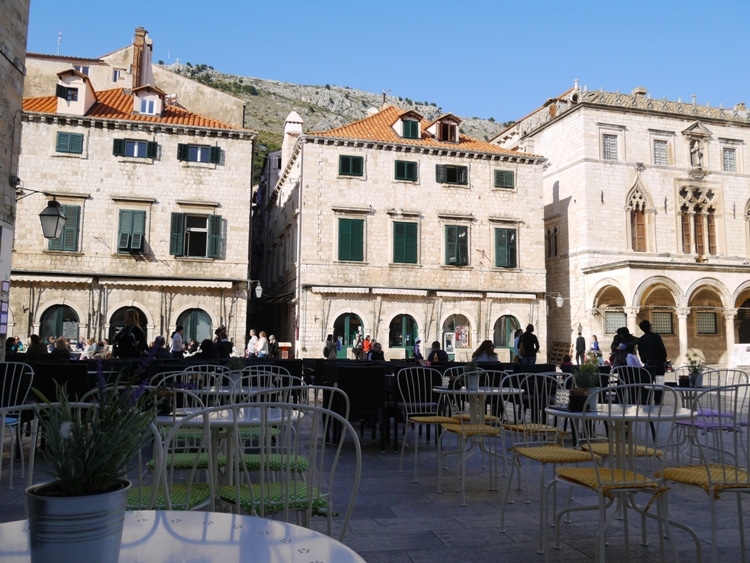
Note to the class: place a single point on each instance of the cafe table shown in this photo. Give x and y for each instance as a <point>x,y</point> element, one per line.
<point>157,536</point>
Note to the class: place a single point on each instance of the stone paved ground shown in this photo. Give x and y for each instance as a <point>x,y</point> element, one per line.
<point>396,520</point>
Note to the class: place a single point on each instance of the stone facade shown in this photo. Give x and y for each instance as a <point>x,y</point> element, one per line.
<point>394,300</point>
<point>14,24</point>
<point>646,217</point>
<point>129,210</point>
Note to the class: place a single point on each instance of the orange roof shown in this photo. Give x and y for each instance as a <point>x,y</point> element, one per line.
<point>116,104</point>
<point>379,127</point>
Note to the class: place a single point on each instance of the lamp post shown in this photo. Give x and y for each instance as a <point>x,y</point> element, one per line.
<point>258,288</point>
<point>53,220</point>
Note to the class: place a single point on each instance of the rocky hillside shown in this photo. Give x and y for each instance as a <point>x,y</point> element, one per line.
<point>322,107</point>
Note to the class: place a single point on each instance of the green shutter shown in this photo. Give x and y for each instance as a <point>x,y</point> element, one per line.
<point>411,171</point>
<point>351,165</point>
<point>138,231</point>
<point>152,149</point>
<point>76,143</point>
<point>177,234</point>
<point>358,165</point>
<point>441,173</point>
<point>411,129</point>
<point>215,155</point>
<point>505,248</point>
<point>214,236</point>
<point>182,151</point>
<point>343,165</point>
<point>63,142</point>
<point>405,243</point>
<point>126,227</point>
<point>451,244</point>
<point>351,239</point>
<point>118,147</point>
<point>68,240</point>
<point>400,170</point>
<point>504,179</point>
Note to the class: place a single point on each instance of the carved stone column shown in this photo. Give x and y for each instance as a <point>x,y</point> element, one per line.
<point>632,313</point>
<point>730,314</point>
<point>682,333</point>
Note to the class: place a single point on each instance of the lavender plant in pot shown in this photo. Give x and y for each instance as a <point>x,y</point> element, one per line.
<point>79,515</point>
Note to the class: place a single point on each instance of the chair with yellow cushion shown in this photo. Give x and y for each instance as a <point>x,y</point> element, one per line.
<point>535,436</point>
<point>723,462</point>
<point>617,477</point>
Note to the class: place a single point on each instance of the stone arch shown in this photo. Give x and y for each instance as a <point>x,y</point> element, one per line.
<point>112,308</point>
<point>43,307</point>
<point>704,283</point>
<point>647,287</point>
<point>192,305</point>
<point>603,288</point>
<point>706,322</point>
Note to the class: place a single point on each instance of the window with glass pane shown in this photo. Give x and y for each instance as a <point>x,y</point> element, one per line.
<point>448,174</point>
<point>660,152</point>
<point>504,179</point>
<point>638,230</point>
<point>404,243</point>
<point>685,222</point>
<point>661,322</point>
<point>456,245</point>
<point>729,157</point>
<point>705,323</point>
<point>609,147</point>
<point>505,248</point>
<point>711,231</point>
<point>406,170</point>
<point>351,239</point>
<point>614,320</point>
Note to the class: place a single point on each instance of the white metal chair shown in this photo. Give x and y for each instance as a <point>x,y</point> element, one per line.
<point>16,379</point>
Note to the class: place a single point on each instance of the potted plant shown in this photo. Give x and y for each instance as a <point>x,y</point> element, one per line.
<point>79,515</point>
<point>695,369</point>
<point>586,377</point>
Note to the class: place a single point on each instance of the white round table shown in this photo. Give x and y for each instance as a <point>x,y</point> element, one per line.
<point>159,536</point>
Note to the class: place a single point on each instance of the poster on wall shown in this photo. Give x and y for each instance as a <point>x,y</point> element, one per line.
<point>462,336</point>
<point>448,340</point>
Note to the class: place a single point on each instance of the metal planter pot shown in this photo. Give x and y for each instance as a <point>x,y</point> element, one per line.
<point>74,529</point>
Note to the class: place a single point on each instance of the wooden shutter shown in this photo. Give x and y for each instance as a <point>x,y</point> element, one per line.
<point>152,149</point>
<point>177,234</point>
<point>441,173</point>
<point>63,142</point>
<point>61,92</point>
<point>182,152</point>
<point>215,155</point>
<point>400,170</point>
<point>505,248</point>
<point>344,165</point>
<point>214,236</point>
<point>76,143</point>
<point>504,179</point>
<point>350,239</point>
<point>125,228</point>
<point>411,171</point>
<point>410,243</point>
<point>71,228</point>
<point>118,147</point>
<point>451,244</point>
<point>138,231</point>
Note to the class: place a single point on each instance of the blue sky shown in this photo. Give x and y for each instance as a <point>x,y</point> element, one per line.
<point>483,58</point>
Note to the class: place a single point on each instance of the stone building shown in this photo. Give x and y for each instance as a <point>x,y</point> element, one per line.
<point>400,228</point>
<point>157,201</point>
<point>14,25</point>
<point>133,65</point>
<point>646,209</point>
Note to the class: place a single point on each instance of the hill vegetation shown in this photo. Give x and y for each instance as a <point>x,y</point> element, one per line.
<point>321,107</point>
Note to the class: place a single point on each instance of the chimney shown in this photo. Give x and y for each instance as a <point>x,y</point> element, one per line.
<point>292,132</point>
<point>139,43</point>
<point>639,91</point>
<point>740,106</point>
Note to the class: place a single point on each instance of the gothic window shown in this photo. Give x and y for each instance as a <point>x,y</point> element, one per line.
<point>698,220</point>
<point>638,226</point>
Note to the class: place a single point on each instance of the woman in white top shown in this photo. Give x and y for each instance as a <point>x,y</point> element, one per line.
<point>632,359</point>
<point>261,347</point>
<point>177,348</point>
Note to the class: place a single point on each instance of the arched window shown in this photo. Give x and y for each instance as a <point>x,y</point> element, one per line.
<point>347,326</point>
<point>197,325</point>
<point>59,320</point>
<point>458,329</point>
<point>403,332</point>
<point>698,220</point>
<point>505,326</point>
<point>638,234</point>
<point>118,321</point>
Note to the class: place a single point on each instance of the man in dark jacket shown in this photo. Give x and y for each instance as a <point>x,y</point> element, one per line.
<point>528,345</point>
<point>651,349</point>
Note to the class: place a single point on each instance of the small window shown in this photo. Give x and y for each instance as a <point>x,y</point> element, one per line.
<point>609,147</point>
<point>411,129</point>
<point>705,323</point>
<point>456,245</point>
<point>614,320</point>
<point>66,93</point>
<point>447,132</point>
<point>69,143</point>
<point>505,248</point>
<point>447,174</point>
<point>504,179</point>
<point>351,240</point>
<point>729,159</point>
<point>661,323</point>
<point>131,231</point>
<point>116,74</point>
<point>196,235</point>
<point>82,69</point>
<point>638,230</point>
<point>134,149</point>
<point>351,165</point>
<point>147,107</point>
<point>661,151</point>
<point>405,243</point>
<point>68,241</point>
<point>199,153</point>
<point>406,170</point>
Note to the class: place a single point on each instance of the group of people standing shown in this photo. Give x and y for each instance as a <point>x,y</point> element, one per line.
<point>261,346</point>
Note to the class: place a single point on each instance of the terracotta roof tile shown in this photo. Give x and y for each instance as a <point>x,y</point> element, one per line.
<point>379,127</point>
<point>116,104</point>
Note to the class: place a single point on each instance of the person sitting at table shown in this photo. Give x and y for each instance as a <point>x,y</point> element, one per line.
<point>436,354</point>
<point>631,359</point>
<point>485,352</point>
<point>376,352</point>
<point>37,349</point>
<point>61,350</point>
<point>566,366</point>
<point>161,352</point>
